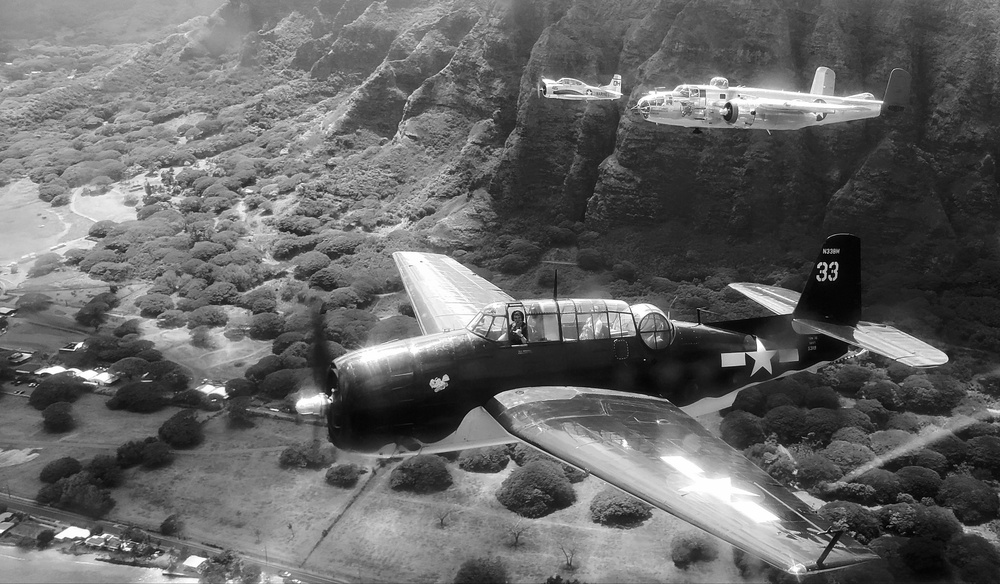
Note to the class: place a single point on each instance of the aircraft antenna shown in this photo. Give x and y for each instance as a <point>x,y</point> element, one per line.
<point>555,284</point>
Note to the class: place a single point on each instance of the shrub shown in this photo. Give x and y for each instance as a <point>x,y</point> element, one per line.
<point>424,473</point>
<point>210,316</point>
<point>852,434</point>
<point>972,500</point>
<point>924,556</point>
<point>874,409</point>
<point>919,395</point>
<point>740,429</point>
<point>309,263</point>
<point>265,326</point>
<point>481,571</point>
<point>919,482</point>
<point>975,558</point>
<point>750,399</point>
<point>984,453</point>
<point>861,524</point>
<point>522,454</point>
<point>884,392</point>
<point>60,468</point>
<point>847,456</point>
<point>130,453</point>
<point>345,475</point>
<point>906,421</point>
<point>849,378</point>
<point>813,469</point>
<point>788,422</point>
<point>536,489</point>
<point>886,484</point>
<point>279,384</point>
<point>490,459</point>
<point>182,430</point>
<point>590,260</point>
<point>921,457</point>
<point>822,423</point>
<point>614,508</point>
<point>951,447</point>
<point>886,441</point>
<point>692,548</point>
<point>58,417</point>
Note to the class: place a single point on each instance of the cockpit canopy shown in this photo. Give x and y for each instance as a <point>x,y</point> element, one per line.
<point>567,320</point>
<point>570,81</point>
<point>720,82</point>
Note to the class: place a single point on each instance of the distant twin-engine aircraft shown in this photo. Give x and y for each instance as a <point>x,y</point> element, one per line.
<point>567,88</point>
<point>600,384</point>
<point>717,105</point>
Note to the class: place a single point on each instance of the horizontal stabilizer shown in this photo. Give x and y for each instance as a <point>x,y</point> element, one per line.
<point>777,300</point>
<point>878,338</point>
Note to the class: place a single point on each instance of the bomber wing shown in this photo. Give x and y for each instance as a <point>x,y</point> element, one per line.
<point>445,294</point>
<point>649,448</point>
<point>766,105</point>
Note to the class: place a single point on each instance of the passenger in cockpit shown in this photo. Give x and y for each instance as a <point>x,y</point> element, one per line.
<point>518,330</point>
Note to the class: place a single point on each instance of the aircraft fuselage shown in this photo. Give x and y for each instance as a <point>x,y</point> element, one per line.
<point>708,106</point>
<point>424,386</point>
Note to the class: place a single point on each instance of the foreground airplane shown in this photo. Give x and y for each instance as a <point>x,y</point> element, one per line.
<point>598,384</point>
<point>567,88</point>
<point>716,105</point>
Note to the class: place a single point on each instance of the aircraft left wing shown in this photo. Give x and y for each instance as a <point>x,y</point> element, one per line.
<point>765,105</point>
<point>649,448</point>
<point>777,300</point>
<point>444,293</point>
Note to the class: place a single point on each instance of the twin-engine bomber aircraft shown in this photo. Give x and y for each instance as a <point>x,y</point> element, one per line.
<point>717,105</point>
<point>567,88</point>
<point>600,384</point>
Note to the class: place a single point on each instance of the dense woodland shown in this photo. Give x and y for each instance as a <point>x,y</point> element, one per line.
<point>288,148</point>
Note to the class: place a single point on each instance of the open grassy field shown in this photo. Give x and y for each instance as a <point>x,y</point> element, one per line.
<point>230,491</point>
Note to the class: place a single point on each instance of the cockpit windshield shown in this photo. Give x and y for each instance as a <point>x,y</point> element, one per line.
<point>569,81</point>
<point>682,90</point>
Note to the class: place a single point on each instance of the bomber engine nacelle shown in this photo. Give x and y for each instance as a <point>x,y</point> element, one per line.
<point>738,113</point>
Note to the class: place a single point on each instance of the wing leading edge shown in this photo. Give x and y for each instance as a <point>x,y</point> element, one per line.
<point>445,294</point>
<point>649,448</point>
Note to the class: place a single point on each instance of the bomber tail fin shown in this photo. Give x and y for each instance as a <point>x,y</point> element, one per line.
<point>823,81</point>
<point>615,85</point>
<point>833,291</point>
<point>897,91</point>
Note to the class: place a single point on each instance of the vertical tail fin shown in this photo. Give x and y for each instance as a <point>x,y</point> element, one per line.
<point>823,81</point>
<point>897,91</point>
<point>833,291</point>
<point>616,84</point>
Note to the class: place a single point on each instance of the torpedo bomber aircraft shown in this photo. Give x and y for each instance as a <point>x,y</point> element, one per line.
<point>599,384</point>
<point>717,105</point>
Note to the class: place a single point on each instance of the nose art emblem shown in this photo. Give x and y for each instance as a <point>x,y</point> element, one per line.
<point>439,383</point>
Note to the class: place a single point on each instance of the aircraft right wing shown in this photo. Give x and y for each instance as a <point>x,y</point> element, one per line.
<point>649,448</point>
<point>444,293</point>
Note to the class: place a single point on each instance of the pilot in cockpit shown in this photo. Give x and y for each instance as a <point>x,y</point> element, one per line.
<point>518,329</point>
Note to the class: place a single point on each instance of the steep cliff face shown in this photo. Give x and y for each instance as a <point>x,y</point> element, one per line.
<point>425,73</point>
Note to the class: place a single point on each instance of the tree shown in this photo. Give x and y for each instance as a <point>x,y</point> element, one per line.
<point>156,454</point>
<point>481,571</point>
<point>139,397</point>
<point>210,316</point>
<point>977,560</point>
<point>615,508</point>
<point>58,417</point>
<point>424,473</point>
<point>62,387</point>
<point>129,454</point>
<point>490,459</point>
<point>60,468</point>
<point>153,305</point>
<point>516,530</point>
<point>239,412</point>
<point>740,429</point>
<point>105,471</point>
<point>266,326</point>
<point>693,547</point>
<point>44,538</point>
<point>171,525</point>
<point>182,430</point>
<point>345,475</point>
<point>33,302</point>
<point>536,489</point>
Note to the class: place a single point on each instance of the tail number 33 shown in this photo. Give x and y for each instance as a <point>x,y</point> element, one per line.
<point>827,272</point>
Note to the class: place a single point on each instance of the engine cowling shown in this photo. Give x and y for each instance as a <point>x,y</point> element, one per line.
<point>735,113</point>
